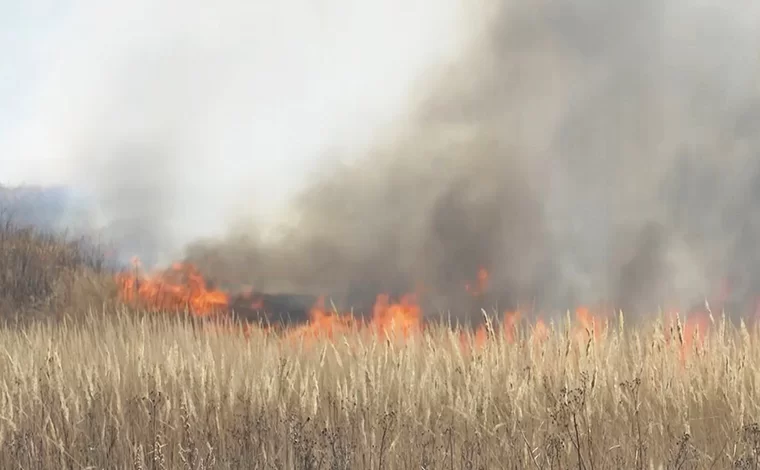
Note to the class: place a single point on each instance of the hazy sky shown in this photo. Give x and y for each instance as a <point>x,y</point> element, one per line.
<point>249,95</point>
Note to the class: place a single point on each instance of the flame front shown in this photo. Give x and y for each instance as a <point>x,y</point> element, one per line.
<point>323,323</point>
<point>590,325</point>
<point>688,334</point>
<point>183,288</point>
<point>404,316</point>
<point>179,288</point>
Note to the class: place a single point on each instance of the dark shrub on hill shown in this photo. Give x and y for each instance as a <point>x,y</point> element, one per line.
<point>43,273</point>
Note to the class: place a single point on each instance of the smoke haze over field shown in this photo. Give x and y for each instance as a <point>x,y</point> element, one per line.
<point>580,151</point>
<point>176,118</point>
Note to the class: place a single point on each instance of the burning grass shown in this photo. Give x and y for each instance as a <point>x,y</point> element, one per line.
<point>126,388</point>
<point>160,392</point>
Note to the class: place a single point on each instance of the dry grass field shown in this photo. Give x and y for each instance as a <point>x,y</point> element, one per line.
<point>98,385</point>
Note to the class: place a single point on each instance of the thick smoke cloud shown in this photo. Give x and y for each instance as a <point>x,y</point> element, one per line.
<point>581,152</point>
<point>175,119</point>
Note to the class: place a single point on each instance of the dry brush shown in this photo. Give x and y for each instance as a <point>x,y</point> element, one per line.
<point>117,391</point>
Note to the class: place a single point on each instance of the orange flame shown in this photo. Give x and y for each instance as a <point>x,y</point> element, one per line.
<point>590,325</point>
<point>480,286</point>
<point>540,332</point>
<point>182,287</point>
<point>695,326</point>
<point>179,287</point>
<point>404,316</point>
<point>401,318</point>
<point>510,325</point>
<point>480,336</point>
<point>323,323</point>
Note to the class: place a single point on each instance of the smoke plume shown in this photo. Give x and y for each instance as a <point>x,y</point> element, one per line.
<point>581,152</point>
<point>176,119</point>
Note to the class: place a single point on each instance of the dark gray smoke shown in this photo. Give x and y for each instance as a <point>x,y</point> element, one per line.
<point>581,152</point>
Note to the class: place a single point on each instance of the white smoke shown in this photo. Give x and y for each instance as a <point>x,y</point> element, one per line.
<point>187,114</point>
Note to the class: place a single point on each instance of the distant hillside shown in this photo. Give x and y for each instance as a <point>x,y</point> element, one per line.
<point>57,209</point>
<point>51,208</point>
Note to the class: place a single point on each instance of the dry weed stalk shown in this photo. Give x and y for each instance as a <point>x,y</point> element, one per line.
<point>155,393</point>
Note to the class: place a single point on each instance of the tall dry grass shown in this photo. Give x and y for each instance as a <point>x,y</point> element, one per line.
<point>155,392</point>
<point>104,387</point>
